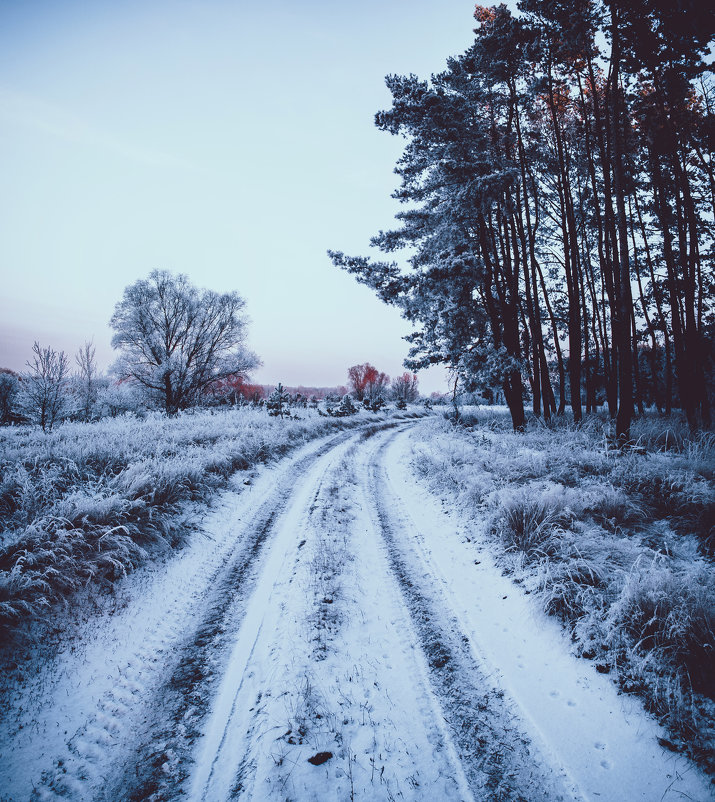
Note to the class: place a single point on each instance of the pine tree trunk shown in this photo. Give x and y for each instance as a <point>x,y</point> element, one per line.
<point>625,301</point>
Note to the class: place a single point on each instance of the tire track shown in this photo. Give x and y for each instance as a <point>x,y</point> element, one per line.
<point>603,744</point>
<point>498,758</point>
<point>211,671</point>
<point>324,670</point>
<point>172,650</point>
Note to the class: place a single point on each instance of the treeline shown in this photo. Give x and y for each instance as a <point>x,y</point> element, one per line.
<point>179,348</point>
<point>559,190</point>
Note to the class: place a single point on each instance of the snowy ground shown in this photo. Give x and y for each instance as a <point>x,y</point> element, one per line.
<point>331,634</point>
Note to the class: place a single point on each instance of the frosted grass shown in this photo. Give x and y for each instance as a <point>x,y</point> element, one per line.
<point>89,502</point>
<point>618,545</point>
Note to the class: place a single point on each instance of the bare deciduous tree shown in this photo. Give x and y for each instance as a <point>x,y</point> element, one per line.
<point>43,397</point>
<point>175,339</point>
<point>87,378</point>
<point>404,388</point>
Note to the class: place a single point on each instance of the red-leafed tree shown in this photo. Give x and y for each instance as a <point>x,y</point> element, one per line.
<point>367,382</point>
<point>358,377</point>
<point>234,389</point>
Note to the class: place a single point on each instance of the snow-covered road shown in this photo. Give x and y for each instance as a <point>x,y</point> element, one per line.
<point>333,636</point>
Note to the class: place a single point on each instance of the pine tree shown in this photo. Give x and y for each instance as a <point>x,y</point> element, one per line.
<point>555,172</point>
<point>278,401</point>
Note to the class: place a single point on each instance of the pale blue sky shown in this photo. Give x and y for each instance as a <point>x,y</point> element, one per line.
<point>232,141</point>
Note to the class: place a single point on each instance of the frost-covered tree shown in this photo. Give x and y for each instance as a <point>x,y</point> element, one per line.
<point>367,383</point>
<point>9,389</point>
<point>43,397</point>
<point>87,376</point>
<point>404,388</point>
<point>175,339</point>
<point>377,388</point>
<point>114,399</point>
<point>278,402</point>
<point>347,407</point>
<point>560,165</point>
<point>358,377</point>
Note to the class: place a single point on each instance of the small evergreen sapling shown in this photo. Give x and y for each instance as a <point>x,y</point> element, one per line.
<point>278,402</point>
<point>346,407</point>
<point>374,405</point>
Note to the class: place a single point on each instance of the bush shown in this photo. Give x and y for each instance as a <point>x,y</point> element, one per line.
<point>665,616</point>
<point>530,526</point>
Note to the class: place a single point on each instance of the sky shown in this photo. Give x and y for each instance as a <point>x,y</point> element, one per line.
<point>230,141</point>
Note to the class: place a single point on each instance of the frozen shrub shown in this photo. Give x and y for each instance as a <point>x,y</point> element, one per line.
<point>120,399</point>
<point>568,587</point>
<point>477,487</point>
<point>655,434</point>
<point>9,391</point>
<point>669,613</point>
<point>11,489</point>
<point>679,495</point>
<point>704,528</point>
<point>699,454</point>
<point>347,407</point>
<point>85,507</point>
<point>23,595</point>
<point>612,508</point>
<point>529,524</point>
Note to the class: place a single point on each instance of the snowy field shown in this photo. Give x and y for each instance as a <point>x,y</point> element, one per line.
<point>359,620</point>
<point>86,504</point>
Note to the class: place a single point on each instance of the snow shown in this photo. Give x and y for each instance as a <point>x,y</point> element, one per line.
<point>604,741</point>
<point>93,692</point>
<point>326,584</point>
<point>320,665</point>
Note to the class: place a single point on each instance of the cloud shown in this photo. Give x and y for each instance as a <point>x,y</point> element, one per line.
<point>21,109</point>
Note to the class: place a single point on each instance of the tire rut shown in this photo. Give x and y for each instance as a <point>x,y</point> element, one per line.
<point>323,673</point>
<point>498,758</point>
<point>164,759</point>
<point>186,653</point>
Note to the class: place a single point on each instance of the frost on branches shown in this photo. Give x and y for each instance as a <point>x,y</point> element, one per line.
<point>175,340</point>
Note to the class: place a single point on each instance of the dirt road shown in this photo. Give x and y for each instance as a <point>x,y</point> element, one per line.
<point>330,635</point>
